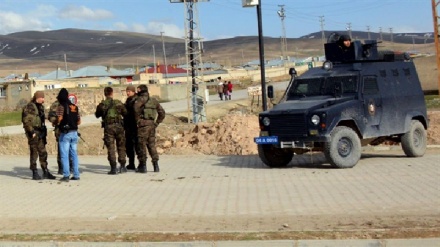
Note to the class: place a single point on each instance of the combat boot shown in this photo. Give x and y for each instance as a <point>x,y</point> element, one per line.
<point>112,170</point>
<point>35,175</point>
<point>122,169</point>
<point>156,166</point>
<point>47,174</point>
<point>131,165</point>
<point>142,168</point>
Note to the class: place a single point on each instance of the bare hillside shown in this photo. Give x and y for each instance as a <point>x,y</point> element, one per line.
<point>41,52</point>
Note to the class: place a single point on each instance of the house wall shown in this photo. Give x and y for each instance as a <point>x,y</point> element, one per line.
<point>18,93</point>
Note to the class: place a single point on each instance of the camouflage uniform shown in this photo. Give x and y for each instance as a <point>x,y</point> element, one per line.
<point>148,115</point>
<point>53,118</point>
<point>130,131</point>
<point>33,123</point>
<point>113,130</point>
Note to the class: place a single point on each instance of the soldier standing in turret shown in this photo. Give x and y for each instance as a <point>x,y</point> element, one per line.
<point>148,115</point>
<point>33,120</point>
<point>111,112</point>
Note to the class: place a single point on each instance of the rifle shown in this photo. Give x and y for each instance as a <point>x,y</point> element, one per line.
<point>43,129</point>
<point>79,135</point>
<point>43,134</point>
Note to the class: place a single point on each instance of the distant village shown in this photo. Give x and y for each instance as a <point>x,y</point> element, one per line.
<point>16,89</point>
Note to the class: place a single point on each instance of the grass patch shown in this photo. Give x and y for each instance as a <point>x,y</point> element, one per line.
<point>432,102</point>
<point>10,118</point>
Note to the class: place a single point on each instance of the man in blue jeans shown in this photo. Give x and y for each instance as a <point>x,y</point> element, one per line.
<point>68,121</point>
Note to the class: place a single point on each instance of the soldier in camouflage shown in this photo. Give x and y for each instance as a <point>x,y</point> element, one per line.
<point>53,118</point>
<point>148,115</point>
<point>130,127</point>
<point>33,120</point>
<point>111,112</point>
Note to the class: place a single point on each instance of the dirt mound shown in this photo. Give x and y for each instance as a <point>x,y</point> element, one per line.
<point>231,135</point>
<point>434,127</point>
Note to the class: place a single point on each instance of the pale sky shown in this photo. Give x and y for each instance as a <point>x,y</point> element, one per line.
<point>217,19</point>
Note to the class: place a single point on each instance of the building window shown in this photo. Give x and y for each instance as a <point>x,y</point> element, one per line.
<point>49,86</point>
<point>26,87</point>
<point>83,85</point>
<point>2,92</point>
<point>19,88</point>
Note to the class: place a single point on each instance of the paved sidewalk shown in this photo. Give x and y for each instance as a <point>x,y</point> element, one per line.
<point>431,242</point>
<point>221,194</point>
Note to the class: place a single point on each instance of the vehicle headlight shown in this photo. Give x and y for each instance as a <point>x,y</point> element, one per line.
<point>315,119</point>
<point>266,121</point>
<point>327,65</point>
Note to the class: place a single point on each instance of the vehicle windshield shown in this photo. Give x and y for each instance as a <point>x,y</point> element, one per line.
<point>323,86</point>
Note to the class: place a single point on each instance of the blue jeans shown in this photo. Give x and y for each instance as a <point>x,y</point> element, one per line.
<point>69,147</point>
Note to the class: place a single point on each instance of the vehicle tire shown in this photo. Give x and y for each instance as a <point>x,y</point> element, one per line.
<point>414,141</point>
<point>273,156</point>
<point>344,148</point>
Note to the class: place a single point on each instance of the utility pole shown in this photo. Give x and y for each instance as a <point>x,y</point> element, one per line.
<point>321,19</point>
<point>436,39</point>
<point>193,49</point>
<point>349,29</point>
<point>242,57</point>
<point>164,56</point>
<point>391,35</point>
<point>65,64</point>
<point>261,48</point>
<point>368,31</point>
<point>154,65</point>
<point>414,43</point>
<point>380,33</point>
<point>282,15</point>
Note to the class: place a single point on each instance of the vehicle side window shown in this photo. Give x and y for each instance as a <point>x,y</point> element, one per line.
<point>370,85</point>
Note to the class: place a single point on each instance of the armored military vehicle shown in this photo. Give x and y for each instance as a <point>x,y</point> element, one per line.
<point>359,97</point>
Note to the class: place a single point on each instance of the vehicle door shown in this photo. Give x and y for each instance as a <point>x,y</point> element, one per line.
<point>372,104</point>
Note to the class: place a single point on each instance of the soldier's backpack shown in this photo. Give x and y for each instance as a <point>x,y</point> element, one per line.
<point>150,111</point>
<point>110,110</point>
<point>52,115</point>
<point>25,117</point>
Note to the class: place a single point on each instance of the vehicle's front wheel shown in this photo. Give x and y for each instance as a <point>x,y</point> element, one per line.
<point>414,141</point>
<point>344,149</point>
<point>273,156</point>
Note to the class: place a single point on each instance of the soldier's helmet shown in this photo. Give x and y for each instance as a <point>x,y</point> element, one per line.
<point>344,38</point>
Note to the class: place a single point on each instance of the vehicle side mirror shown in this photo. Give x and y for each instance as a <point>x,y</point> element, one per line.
<point>292,72</point>
<point>270,92</point>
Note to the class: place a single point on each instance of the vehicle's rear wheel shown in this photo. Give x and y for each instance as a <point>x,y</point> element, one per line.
<point>414,141</point>
<point>273,156</point>
<point>344,149</point>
